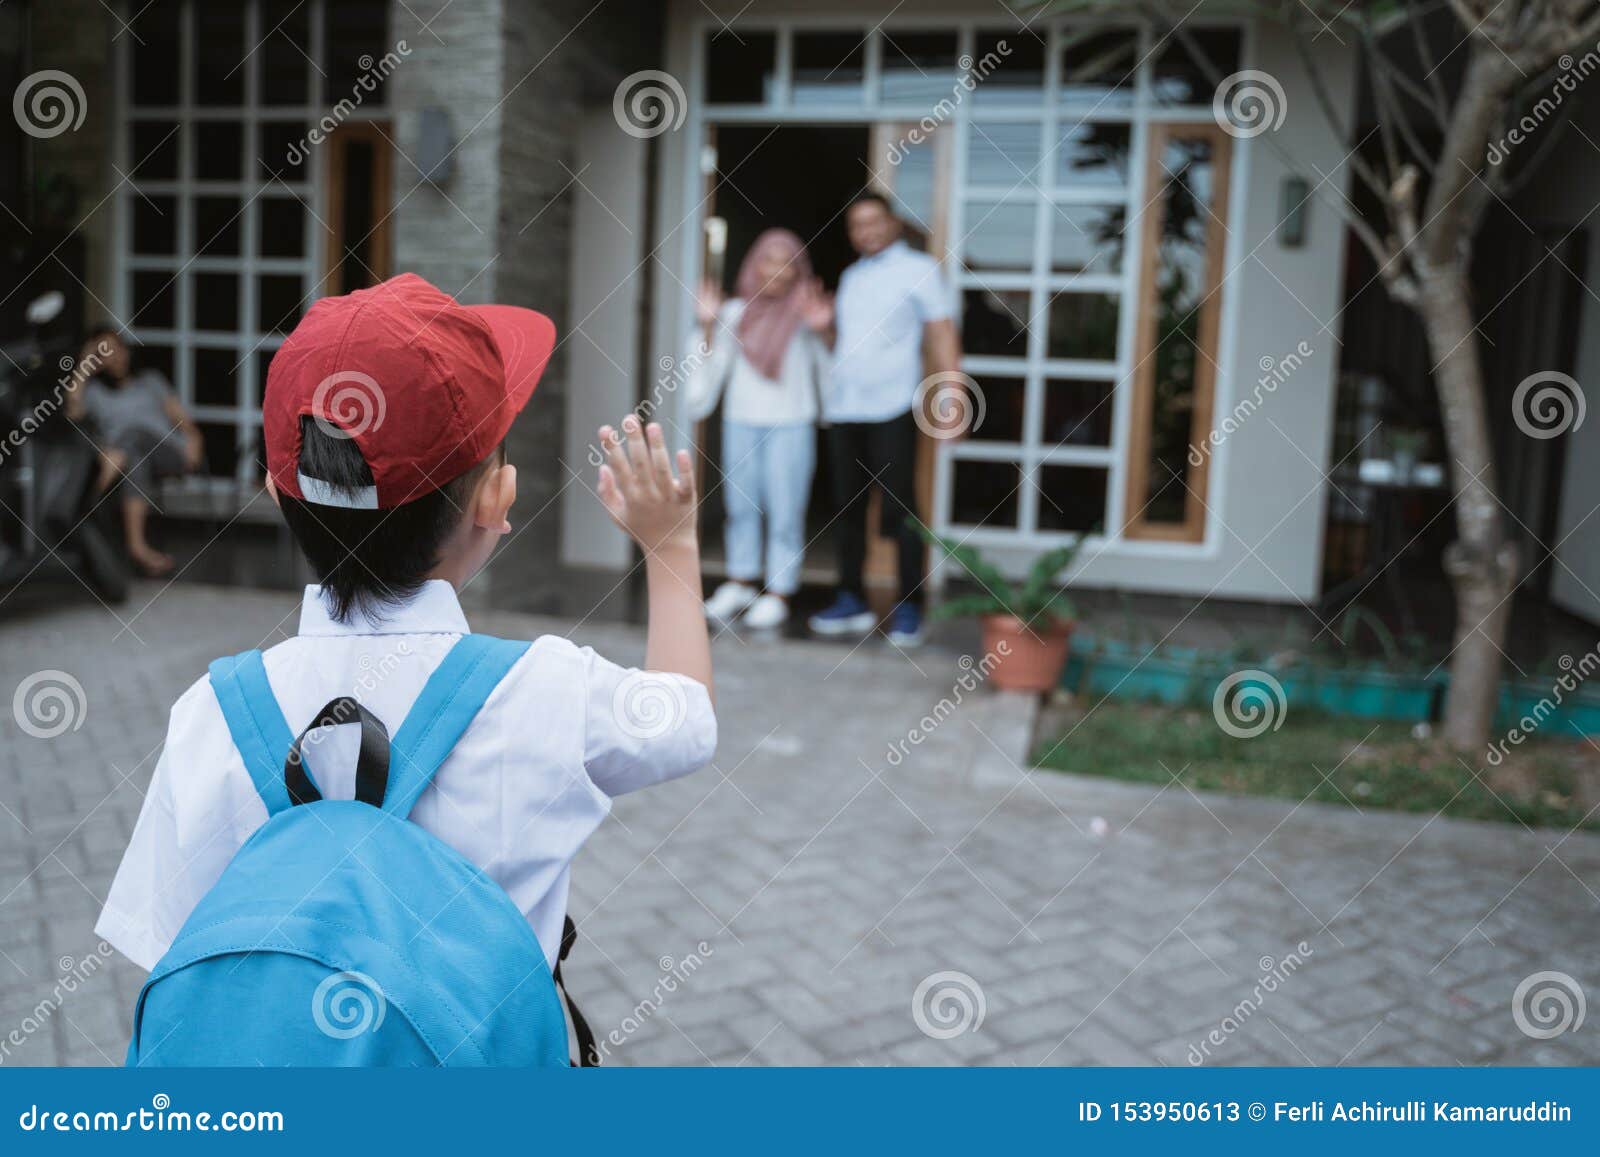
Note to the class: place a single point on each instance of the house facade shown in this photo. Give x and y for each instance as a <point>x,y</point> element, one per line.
<point>1149,273</point>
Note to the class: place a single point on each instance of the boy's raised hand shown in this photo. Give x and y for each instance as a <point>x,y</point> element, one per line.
<point>640,491</point>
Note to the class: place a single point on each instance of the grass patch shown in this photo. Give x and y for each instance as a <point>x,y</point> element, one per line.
<point>1548,783</point>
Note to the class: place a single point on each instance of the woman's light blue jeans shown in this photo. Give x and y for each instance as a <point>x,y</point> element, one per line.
<point>767,474</point>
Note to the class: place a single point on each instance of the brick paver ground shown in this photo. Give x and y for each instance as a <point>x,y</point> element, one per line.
<point>1103,923</point>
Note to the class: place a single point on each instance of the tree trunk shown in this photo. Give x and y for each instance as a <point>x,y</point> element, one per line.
<point>1481,564</point>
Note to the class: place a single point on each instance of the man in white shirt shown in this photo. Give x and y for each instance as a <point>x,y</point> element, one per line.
<point>892,308</point>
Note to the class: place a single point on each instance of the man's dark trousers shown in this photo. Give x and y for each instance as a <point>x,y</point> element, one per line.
<point>881,454</point>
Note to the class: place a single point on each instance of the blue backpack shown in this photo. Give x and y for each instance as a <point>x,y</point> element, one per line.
<point>342,933</point>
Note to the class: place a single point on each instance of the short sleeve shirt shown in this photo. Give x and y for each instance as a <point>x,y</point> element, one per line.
<point>135,409</point>
<point>883,304</point>
<point>530,779</point>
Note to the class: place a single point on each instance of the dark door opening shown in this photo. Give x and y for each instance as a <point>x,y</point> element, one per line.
<point>800,177</point>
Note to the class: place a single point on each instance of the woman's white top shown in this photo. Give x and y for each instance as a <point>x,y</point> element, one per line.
<point>752,398</point>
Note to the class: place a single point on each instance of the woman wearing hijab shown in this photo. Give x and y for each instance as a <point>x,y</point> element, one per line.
<point>767,365</point>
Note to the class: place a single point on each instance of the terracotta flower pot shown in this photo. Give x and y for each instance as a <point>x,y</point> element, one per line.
<point>1031,658</point>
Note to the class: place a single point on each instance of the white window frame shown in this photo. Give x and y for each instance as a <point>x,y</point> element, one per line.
<point>246,340</point>
<point>1051,115</point>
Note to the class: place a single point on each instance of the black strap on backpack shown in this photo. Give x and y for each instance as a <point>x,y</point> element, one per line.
<point>588,1055</point>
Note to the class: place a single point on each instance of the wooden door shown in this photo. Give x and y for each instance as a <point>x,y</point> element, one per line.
<point>357,251</point>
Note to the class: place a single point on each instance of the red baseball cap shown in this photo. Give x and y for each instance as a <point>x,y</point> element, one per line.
<point>425,386</point>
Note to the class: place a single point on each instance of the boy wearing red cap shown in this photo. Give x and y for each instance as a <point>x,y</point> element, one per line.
<point>384,418</point>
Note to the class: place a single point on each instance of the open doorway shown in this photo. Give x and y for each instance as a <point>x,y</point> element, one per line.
<point>800,177</point>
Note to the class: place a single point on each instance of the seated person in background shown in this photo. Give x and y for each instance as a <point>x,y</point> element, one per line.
<point>143,432</point>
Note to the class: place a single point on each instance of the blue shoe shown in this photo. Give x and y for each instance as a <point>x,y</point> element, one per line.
<point>849,615</point>
<point>905,626</point>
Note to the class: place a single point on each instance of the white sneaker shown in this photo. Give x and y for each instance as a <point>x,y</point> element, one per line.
<point>766,612</point>
<point>728,600</point>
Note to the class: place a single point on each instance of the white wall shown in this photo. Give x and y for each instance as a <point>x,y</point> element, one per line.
<point>608,239</point>
<point>1565,193</point>
<point>1268,495</point>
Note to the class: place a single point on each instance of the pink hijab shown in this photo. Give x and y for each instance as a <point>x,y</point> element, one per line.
<point>768,323</point>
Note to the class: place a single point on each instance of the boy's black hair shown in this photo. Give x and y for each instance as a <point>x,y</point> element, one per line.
<point>370,560</point>
<point>871,197</point>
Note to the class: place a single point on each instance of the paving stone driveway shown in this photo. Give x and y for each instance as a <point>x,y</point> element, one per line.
<point>786,905</point>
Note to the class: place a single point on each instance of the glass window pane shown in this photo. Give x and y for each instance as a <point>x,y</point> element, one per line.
<point>1083,325</point>
<point>1008,69</point>
<point>212,378</point>
<point>285,44</point>
<point>1086,238</point>
<point>217,226</point>
<point>222,448</point>
<point>160,358</point>
<point>219,56</point>
<point>155,225</point>
<point>218,148</point>
<point>155,299</point>
<point>357,37</point>
<point>828,66</point>
<point>1077,413</point>
<point>1071,498</point>
<point>1003,401</point>
<point>283,227</point>
<point>1189,75</point>
<point>1004,154</point>
<point>1093,156</point>
<point>919,67</point>
<point>153,147</point>
<point>216,301</point>
<point>1098,68</point>
<point>153,37</point>
<point>279,302</point>
<point>994,322</point>
<point>999,235</point>
<point>740,70</point>
<point>283,148</point>
<point>984,493</point>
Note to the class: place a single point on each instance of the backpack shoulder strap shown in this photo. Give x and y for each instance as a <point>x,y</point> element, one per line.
<point>256,723</point>
<point>449,701</point>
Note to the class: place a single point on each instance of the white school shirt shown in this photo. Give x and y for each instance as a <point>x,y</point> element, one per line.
<point>529,780</point>
<point>752,398</point>
<point>883,304</point>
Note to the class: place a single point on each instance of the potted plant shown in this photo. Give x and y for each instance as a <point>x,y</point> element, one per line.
<point>1026,627</point>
